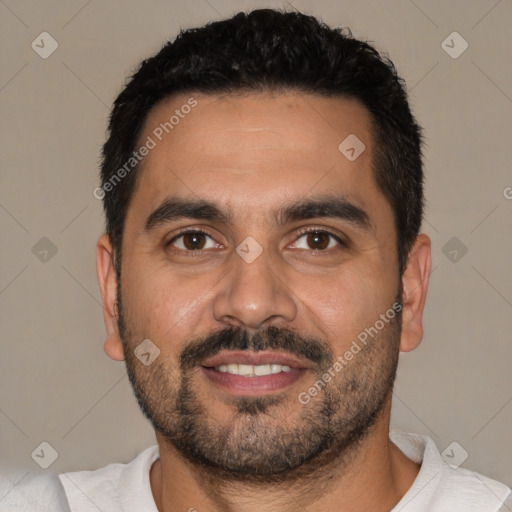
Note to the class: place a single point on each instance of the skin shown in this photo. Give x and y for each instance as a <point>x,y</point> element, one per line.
<point>253,153</point>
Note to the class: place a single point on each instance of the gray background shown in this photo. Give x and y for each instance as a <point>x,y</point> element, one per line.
<point>57,385</point>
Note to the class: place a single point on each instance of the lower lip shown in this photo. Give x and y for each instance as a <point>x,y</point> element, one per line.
<point>250,386</point>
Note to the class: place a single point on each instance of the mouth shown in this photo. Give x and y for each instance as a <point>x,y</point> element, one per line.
<point>250,373</point>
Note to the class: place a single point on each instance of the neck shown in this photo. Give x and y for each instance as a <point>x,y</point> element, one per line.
<point>370,475</point>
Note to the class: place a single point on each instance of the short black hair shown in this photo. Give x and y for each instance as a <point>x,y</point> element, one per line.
<point>268,50</point>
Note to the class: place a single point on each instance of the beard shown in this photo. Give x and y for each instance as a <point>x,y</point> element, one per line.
<point>267,439</point>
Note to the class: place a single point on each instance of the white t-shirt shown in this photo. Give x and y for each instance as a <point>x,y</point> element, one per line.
<point>25,491</point>
<point>437,488</point>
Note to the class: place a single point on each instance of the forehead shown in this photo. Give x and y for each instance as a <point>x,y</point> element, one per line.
<point>248,151</point>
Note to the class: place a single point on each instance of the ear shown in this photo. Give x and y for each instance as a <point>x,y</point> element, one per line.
<point>107,279</point>
<point>414,292</point>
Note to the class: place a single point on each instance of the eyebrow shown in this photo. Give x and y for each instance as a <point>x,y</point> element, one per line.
<point>334,207</point>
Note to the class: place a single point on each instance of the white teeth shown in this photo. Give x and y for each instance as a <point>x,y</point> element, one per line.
<point>249,370</point>
<point>264,369</point>
<point>246,370</point>
<point>275,368</point>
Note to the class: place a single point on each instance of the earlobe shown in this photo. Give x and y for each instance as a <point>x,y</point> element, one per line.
<point>113,347</point>
<point>107,279</point>
<point>415,285</point>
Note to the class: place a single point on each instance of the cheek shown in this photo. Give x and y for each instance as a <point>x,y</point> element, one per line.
<point>355,301</point>
<point>166,305</point>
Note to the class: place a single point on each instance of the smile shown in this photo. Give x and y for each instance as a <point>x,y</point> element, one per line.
<point>250,373</point>
<point>249,370</point>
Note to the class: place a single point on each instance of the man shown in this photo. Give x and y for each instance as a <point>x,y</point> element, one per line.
<point>261,270</point>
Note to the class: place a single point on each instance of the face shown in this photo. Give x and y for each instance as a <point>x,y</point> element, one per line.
<point>255,254</point>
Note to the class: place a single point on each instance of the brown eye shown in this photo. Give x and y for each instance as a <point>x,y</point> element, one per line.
<point>192,241</point>
<point>317,240</point>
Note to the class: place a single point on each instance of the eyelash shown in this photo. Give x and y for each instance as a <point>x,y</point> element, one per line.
<point>301,233</point>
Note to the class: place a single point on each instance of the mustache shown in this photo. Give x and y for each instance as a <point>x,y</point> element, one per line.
<point>272,338</point>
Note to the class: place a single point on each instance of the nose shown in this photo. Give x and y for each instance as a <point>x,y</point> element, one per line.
<point>253,295</point>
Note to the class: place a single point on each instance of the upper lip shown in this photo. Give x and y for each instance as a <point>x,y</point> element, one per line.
<point>255,358</point>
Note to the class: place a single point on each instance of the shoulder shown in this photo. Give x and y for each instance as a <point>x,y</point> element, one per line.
<point>440,487</point>
<point>476,492</point>
<point>108,488</point>
<point>37,492</point>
